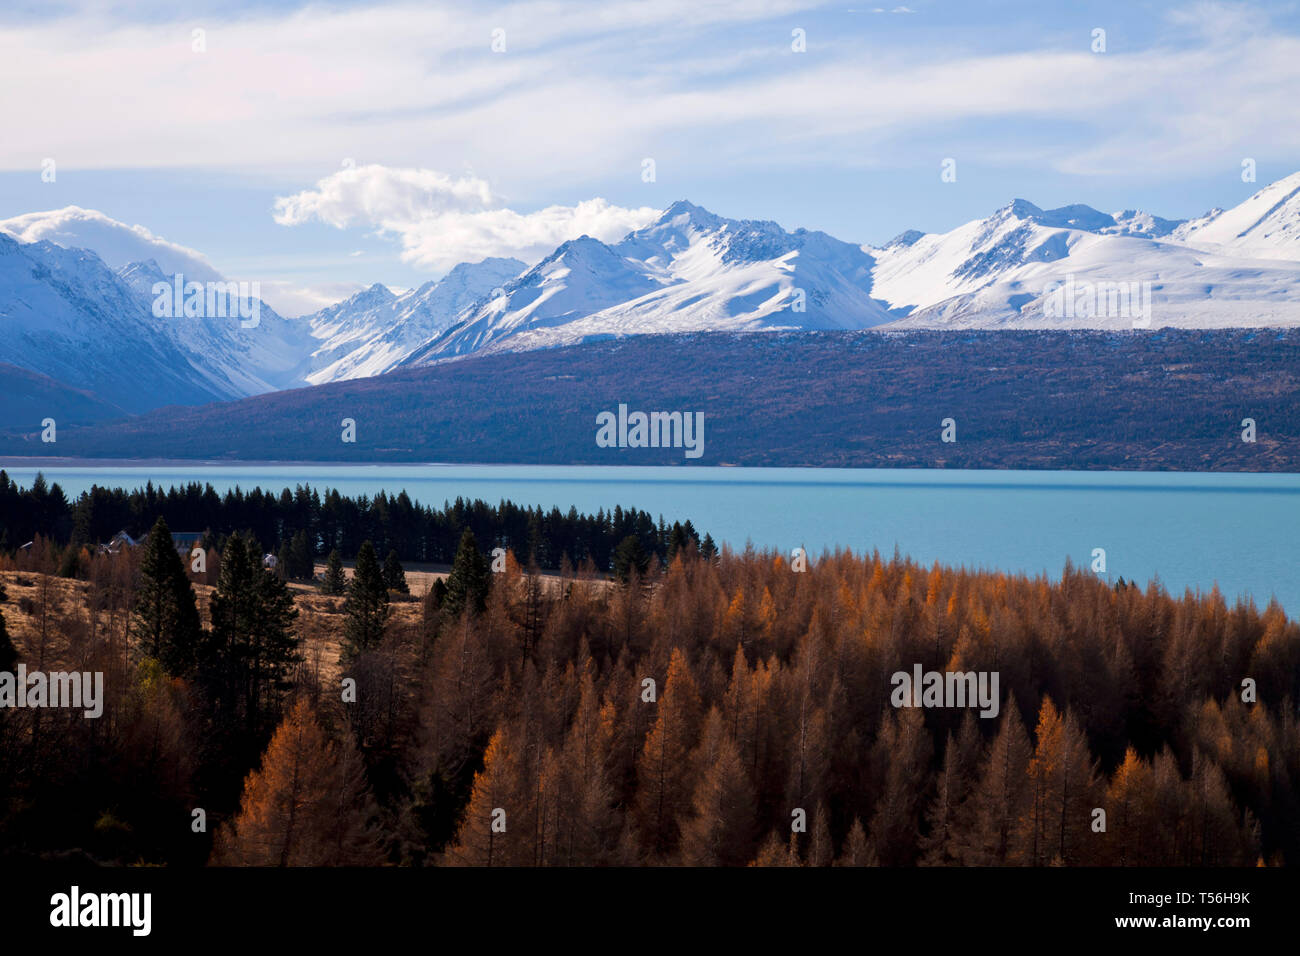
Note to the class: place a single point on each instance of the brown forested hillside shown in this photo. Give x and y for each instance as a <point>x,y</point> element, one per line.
<point>1147,400</point>
<point>530,733</point>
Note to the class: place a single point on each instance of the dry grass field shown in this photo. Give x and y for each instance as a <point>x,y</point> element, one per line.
<point>50,618</point>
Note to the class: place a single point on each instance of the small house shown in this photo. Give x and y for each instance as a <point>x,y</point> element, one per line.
<point>186,541</point>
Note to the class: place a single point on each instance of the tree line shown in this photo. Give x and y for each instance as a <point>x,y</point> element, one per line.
<point>304,523</point>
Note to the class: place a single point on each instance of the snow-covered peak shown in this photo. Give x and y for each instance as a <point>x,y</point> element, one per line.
<point>684,212</point>
<point>377,294</point>
<point>1075,216</point>
<point>995,272</point>
<point>1265,226</point>
<point>681,226</point>
<point>580,276</point>
<point>375,329</point>
<point>66,315</point>
<point>904,239</point>
<point>690,270</point>
<point>117,243</point>
<point>1143,225</point>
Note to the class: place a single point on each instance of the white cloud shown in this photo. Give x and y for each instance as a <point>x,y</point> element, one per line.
<point>441,220</point>
<point>379,195</point>
<point>583,92</point>
<point>115,242</point>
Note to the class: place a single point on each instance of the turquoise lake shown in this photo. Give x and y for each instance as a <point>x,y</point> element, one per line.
<point>1241,531</point>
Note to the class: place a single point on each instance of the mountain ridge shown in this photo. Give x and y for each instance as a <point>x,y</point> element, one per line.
<point>68,314</point>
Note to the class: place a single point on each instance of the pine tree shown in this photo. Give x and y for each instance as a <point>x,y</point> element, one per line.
<point>1130,823</point>
<point>394,576</point>
<point>906,745</point>
<point>367,603</point>
<point>166,621</point>
<point>1063,784</point>
<point>302,558</point>
<point>335,581</point>
<point>948,811</point>
<point>676,539</point>
<point>720,832</point>
<point>857,849</point>
<point>246,657</point>
<point>937,844</point>
<point>470,578</point>
<point>492,830</point>
<point>307,805</point>
<point>630,556</point>
<point>1001,796</point>
<point>588,820</point>
<point>275,642</point>
<point>664,784</point>
<point>708,550</point>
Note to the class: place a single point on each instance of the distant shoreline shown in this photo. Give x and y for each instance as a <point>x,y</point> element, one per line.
<point>12,462</point>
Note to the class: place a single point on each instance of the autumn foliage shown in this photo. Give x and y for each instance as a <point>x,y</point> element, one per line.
<point>772,698</point>
<point>722,711</point>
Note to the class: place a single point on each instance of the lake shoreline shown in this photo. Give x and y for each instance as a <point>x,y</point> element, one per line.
<point>11,462</point>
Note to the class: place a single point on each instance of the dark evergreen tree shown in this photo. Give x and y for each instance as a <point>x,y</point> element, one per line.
<point>394,575</point>
<point>302,556</point>
<point>247,657</point>
<point>367,604</point>
<point>284,562</point>
<point>70,564</point>
<point>677,539</point>
<point>166,618</point>
<point>470,578</point>
<point>630,556</point>
<point>335,580</point>
<point>708,550</point>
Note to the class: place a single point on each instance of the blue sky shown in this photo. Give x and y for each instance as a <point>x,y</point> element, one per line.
<point>318,148</point>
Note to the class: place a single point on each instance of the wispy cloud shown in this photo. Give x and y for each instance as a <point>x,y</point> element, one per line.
<point>581,90</point>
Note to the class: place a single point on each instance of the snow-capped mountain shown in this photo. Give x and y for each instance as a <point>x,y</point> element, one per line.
<point>87,321</point>
<point>374,330</point>
<point>688,271</point>
<point>1265,226</point>
<point>66,315</point>
<point>1008,271</point>
<point>234,360</point>
<point>116,243</point>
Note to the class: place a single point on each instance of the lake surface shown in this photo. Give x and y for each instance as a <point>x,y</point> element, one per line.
<point>1192,530</point>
